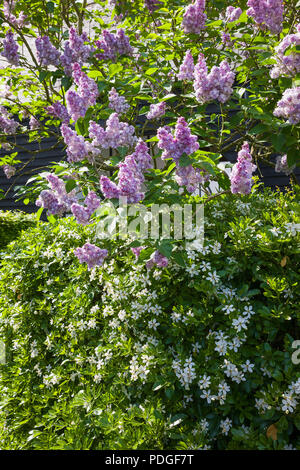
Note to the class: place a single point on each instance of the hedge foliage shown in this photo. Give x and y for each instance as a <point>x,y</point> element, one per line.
<point>196,355</point>
<point>12,223</point>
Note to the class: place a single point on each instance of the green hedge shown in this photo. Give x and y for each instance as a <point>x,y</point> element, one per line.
<point>12,223</point>
<point>196,355</point>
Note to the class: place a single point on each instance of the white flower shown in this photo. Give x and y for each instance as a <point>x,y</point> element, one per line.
<point>204,382</point>
<point>225,426</point>
<point>292,228</point>
<point>228,309</point>
<point>153,324</point>
<point>213,278</point>
<point>289,403</point>
<point>240,323</point>
<point>247,367</point>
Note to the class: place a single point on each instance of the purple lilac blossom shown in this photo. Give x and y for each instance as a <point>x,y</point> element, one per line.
<point>226,39</point>
<point>189,177</point>
<point>34,123</point>
<point>130,175</point>
<point>152,5</point>
<point>137,251</point>
<point>10,49</point>
<point>78,103</point>
<point>268,14</point>
<point>57,201</point>
<point>194,17</point>
<point>156,110</point>
<point>232,13</point>
<point>117,103</point>
<point>113,45</point>
<point>9,171</point>
<point>182,142</point>
<point>241,174</point>
<point>282,165</point>
<point>8,7</point>
<point>75,50</point>
<point>216,85</point>
<point>117,134</point>
<point>157,259</point>
<point>46,52</point>
<point>91,254</point>
<point>289,106</point>
<point>59,111</point>
<point>287,64</point>
<point>77,148</point>
<point>186,70</point>
<point>83,214</point>
<point>8,125</point>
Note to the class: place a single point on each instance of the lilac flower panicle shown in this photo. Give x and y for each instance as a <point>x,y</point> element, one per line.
<point>216,85</point>
<point>77,149</point>
<point>241,174</point>
<point>130,176</point>
<point>282,165</point>
<point>182,142</point>
<point>10,49</point>
<point>157,259</point>
<point>186,70</point>
<point>59,111</point>
<point>189,177</point>
<point>83,214</point>
<point>117,134</point>
<point>9,171</point>
<point>194,17</point>
<point>287,64</point>
<point>79,102</point>
<point>137,251</point>
<point>232,13</point>
<point>113,45</point>
<point>75,50</point>
<point>46,52</point>
<point>156,110</point>
<point>152,5</point>
<point>288,106</point>
<point>76,106</point>
<point>268,14</point>
<point>91,254</point>
<point>34,123</point>
<point>8,124</point>
<point>57,201</point>
<point>8,7</point>
<point>226,39</point>
<point>117,103</point>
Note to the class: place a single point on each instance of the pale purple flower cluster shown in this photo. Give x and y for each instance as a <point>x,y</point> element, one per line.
<point>83,214</point>
<point>189,177</point>
<point>10,49</point>
<point>117,134</point>
<point>282,165</point>
<point>75,50</point>
<point>130,176</point>
<point>216,85</point>
<point>287,64</point>
<point>77,147</point>
<point>8,125</point>
<point>194,17</point>
<point>117,102</point>
<point>226,39</point>
<point>157,259</point>
<point>46,52</point>
<point>78,103</point>
<point>152,5</point>
<point>59,111</point>
<point>91,254</point>
<point>8,7</point>
<point>9,171</point>
<point>156,110</point>
<point>232,13</point>
<point>186,70</point>
<point>241,174</point>
<point>57,201</point>
<point>289,105</point>
<point>268,14</point>
<point>182,142</point>
<point>113,45</point>
<point>34,123</point>
<point>137,251</point>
